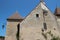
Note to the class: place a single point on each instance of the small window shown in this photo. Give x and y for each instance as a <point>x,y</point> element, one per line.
<point>45,26</point>
<point>45,12</point>
<point>37,15</point>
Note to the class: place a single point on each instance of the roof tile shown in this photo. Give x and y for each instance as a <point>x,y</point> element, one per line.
<point>15,16</point>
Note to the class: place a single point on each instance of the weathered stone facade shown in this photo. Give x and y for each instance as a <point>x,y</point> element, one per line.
<point>12,27</point>
<point>57,14</point>
<point>31,27</point>
<point>40,21</point>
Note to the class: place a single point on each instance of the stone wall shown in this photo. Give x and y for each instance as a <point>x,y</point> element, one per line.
<point>11,30</point>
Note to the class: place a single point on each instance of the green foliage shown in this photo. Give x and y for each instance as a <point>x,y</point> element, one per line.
<point>50,33</point>
<point>55,38</point>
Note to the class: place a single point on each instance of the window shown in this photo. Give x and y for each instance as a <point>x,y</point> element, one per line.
<point>37,15</point>
<point>45,26</point>
<point>45,12</point>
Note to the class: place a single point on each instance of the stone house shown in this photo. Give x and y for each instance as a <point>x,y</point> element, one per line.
<point>39,22</point>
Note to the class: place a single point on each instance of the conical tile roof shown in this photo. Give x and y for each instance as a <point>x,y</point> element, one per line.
<point>57,11</point>
<point>15,16</point>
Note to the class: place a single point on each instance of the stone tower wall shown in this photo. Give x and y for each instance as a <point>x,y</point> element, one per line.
<point>11,30</point>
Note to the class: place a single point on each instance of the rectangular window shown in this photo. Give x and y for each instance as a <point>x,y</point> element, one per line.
<point>45,26</point>
<point>37,15</point>
<point>45,12</point>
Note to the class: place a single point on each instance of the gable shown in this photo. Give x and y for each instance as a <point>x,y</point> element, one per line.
<point>31,27</point>
<point>31,19</point>
<point>39,10</point>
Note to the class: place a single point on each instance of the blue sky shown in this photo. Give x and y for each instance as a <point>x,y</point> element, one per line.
<point>8,7</point>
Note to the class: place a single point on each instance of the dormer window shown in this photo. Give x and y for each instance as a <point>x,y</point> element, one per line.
<point>37,15</point>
